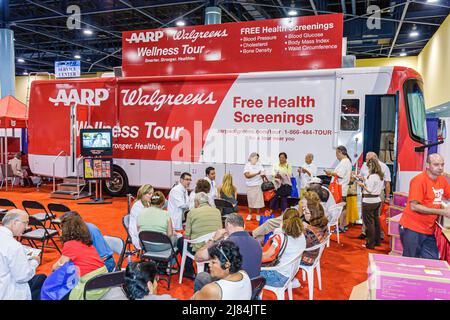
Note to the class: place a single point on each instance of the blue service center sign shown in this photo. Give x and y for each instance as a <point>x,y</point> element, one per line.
<point>67,69</point>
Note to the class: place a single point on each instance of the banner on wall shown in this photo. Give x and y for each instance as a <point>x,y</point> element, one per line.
<point>300,43</point>
<point>67,69</point>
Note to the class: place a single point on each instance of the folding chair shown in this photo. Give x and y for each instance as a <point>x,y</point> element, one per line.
<point>186,253</point>
<point>102,281</point>
<point>164,257</point>
<point>309,270</point>
<point>57,207</point>
<point>6,203</point>
<point>258,284</point>
<point>43,215</point>
<point>128,243</point>
<point>42,234</point>
<point>223,204</point>
<point>117,245</point>
<point>11,175</point>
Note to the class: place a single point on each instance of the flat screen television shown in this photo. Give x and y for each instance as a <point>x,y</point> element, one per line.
<point>97,168</point>
<point>96,142</point>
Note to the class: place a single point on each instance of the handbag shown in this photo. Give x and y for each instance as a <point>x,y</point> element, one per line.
<point>60,282</point>
<point>284,190</point>
<point>336,190</point>
<point>294,193</point>
<point>266,216</point>
<point>267,185</point>
<point>275,259</point>
<point>269,194</point>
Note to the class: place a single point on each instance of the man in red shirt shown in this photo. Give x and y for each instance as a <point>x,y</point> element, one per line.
<point>425,204</point>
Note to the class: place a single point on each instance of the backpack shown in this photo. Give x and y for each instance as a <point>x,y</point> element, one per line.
<point>274,260</point>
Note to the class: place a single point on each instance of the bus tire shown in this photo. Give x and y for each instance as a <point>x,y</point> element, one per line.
<point>118,185</point>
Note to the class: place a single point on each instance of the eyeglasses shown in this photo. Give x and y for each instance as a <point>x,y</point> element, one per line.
<point>221,251</point>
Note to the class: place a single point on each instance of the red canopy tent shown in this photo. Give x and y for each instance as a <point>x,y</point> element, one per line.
<point>13,114</point>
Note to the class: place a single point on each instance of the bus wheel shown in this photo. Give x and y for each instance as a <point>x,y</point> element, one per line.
<point>118,185</point>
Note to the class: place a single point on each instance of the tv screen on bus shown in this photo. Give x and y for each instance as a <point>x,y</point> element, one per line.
<point>96,142</point>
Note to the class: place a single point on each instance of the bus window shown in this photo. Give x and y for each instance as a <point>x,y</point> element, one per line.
<point>350,115</point>
<point>415,108</point>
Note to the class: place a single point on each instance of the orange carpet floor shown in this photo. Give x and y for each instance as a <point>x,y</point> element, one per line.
<point>343,265</point>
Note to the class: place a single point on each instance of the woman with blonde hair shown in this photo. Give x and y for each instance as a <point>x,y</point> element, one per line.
<point>142,201</point>
<point>228,191</point>
<point>292,238</point>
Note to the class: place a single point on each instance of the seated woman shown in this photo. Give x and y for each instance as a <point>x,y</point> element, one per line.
<point>226,265</point>
<point>227,191</point>
<point>156,219</point>
<point>77,247</point>
<point>202,186</point>
<point>292,231</point>
<point>142,201</point>
<point>140,284</point>
<point>316,225</point>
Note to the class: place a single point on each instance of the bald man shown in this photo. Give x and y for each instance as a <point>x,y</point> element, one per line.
<point>427,192</point>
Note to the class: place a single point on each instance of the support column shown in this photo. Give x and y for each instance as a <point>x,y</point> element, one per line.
<point>7,72</point>
<point>213,15</point>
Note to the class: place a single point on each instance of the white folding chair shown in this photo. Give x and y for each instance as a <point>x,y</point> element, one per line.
<point>309,270</point>
<point>333,215</point>
<point>200,265</point>
<point>117,245</point>
<point>279,291</point>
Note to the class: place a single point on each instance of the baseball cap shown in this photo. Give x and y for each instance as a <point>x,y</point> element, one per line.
<point>315,180</point>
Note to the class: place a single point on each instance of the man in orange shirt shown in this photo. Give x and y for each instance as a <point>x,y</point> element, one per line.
<point>425,204</point>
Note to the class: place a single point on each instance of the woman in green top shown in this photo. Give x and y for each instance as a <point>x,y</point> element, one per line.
<point>156,219</point>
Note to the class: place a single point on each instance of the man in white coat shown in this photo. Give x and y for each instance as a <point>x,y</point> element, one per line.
<point>211,178</point>
<point>17,270</point>
<point>179,201</point>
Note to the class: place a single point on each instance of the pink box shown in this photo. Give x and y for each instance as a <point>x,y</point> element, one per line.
<point>400,199</point>
<point>396,244</point>
<point>401,278</point>
<point>395,210</point>
<point>393,225</point>
<point>394,253</point>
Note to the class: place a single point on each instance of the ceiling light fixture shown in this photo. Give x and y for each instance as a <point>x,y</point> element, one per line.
<point>20,60</point>
<point>414,32</point>
<point>77,56</point>
<point>88,32</point>
<point>292,11</point>
<point>181,23</point>
<point>25,73</point>
<point>403,53</point>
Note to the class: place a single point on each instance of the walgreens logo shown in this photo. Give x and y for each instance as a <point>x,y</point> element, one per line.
<point>157,100</point>
<point>87,97</point>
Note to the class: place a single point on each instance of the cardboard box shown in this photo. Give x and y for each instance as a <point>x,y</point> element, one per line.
<point>393,224</point>
<point>360,292</point>
<point>402,278</point>
<point>400,199</point>
<point>395,210</point>
<point>394,253</point>
<point>396,244</point>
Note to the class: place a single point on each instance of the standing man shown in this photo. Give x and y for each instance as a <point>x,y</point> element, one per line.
<point>386,195</point>
<point>306,172</point>
<point>426,193</point>
<point>18,280</point>
<point>179,201</point>
<point>211,178</point>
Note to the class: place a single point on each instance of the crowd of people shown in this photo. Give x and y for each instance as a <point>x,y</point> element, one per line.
<point>234,255</point>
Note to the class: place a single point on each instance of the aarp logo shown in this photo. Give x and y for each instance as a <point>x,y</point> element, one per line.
<point>145,36</point>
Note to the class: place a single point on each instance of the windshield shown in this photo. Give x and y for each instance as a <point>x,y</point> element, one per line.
<point>415,106</point>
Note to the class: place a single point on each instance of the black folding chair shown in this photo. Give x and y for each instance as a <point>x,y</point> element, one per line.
<point>40,234</point>
<point>103,281</point>
<point>128,242</point>
<point>258,284</point>
<point>292,201</point>
<point>43,215</point>
<point>161,258</point>
<point>222,204</point>
<point>6,204</point>
<point>57,207</point>
<point>117,245</point>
